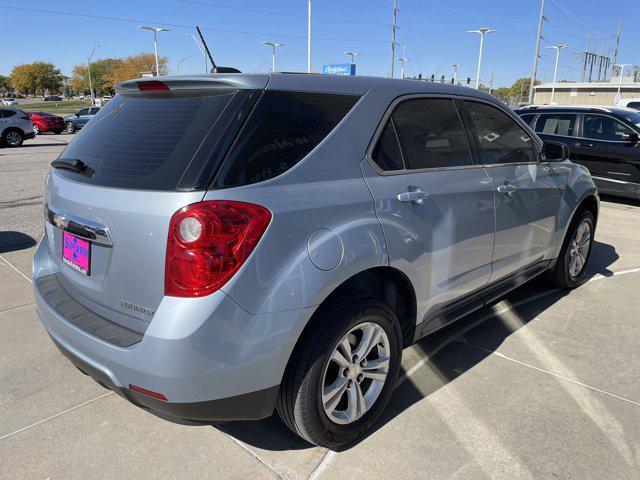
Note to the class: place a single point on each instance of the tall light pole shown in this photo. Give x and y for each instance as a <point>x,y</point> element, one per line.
<point>482,32</point>
<point>204,54</point>
<point>621,67</point>
<point>308,39</point>
<point>394,26</point>
<point>155,31</point>
<point>455,71</point>
<point>89,71</point>
<point>180,62</point>
<point>353,56</point>
<point>273,46</point>
<point>403,60</point>
<point>555,69</point>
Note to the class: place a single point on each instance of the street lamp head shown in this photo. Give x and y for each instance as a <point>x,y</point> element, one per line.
<point>355,54</point>
<point>273,44</point>
<point>154,29</point>
<point>482,30</point>
<point>559,47</point>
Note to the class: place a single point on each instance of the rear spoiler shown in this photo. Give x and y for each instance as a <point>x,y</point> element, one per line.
<point>220,81</point>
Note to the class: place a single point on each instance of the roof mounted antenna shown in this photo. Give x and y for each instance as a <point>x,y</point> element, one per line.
<point>214,68</point>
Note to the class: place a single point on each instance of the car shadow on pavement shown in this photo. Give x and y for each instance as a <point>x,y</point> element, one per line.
<point>451,352</point>
<point>11,241</point>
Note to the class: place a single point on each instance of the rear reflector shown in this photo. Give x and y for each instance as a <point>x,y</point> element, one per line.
<point>152,85</point>
<point>150,393</point>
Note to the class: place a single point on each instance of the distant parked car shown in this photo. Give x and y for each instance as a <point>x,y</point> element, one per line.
<point>15,127</point>
<point>9,101</point>
<point>106,98</point>
<point>606,140</point>
<point>630,103</point>
<point>53,98</point>
<point>79,119</point>
<point>46,122</point>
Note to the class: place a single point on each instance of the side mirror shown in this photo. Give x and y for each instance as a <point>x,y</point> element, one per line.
<point>631,137</point>
<point>77,114</point>
<point>555,152</point>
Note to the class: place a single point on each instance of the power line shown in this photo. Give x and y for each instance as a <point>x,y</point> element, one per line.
<point>365,4</point>
<point>177,25</point>
<point>282,14</point>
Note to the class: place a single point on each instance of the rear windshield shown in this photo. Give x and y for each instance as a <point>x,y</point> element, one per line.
<point>145,142</point>
<point>281,131</point>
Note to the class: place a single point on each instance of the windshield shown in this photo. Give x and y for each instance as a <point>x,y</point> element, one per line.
<point>632,117</point>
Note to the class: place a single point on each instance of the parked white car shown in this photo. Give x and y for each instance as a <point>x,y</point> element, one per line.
<point>9,101</point>
<point>630,103</point>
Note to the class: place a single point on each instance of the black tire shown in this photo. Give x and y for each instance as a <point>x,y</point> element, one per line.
<point>57,132</point>
<point>560,275</point>
<point>71,127</point>
<point>13,138</point>
<point>299,402</point>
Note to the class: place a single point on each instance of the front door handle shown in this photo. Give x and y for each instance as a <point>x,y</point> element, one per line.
<point>507,189</point>
<point>414,196</point>
<point>586,145</point>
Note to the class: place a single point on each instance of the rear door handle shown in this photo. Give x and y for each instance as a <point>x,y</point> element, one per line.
<point>586,145</point>
<point>507,189</point>
<point>415,196</point>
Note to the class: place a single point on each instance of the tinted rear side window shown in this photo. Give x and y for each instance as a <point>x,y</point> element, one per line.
<point>283,128</point>
<point>431,134</point>
<point>145,142</point>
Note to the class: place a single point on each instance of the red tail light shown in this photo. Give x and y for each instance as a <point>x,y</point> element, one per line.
<point>208,242</point>
<point>152,85</point>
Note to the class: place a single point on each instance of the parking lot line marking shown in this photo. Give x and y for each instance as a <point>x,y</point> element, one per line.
<point>322,466</point>
<point>599,276</point>
<point>590,387</point>
<point>15,308</point>
<point>19,272</point>
<point>273,469</point>
<point>54,416</point>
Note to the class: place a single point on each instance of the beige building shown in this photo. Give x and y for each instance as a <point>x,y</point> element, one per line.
<point>586,93</point>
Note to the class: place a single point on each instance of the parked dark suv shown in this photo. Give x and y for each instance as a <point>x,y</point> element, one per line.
<point>606,140</point>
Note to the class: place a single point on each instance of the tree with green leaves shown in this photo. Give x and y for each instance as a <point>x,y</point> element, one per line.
<point>36,77</point>
<point>5,85</point>
<point>100,71</point>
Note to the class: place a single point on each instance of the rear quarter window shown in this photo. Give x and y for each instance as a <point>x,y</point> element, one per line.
<point>283,128</point>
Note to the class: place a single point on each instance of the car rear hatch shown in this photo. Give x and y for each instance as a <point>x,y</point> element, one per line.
<point>150,151</point>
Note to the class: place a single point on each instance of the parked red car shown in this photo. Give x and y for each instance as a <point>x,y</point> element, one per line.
<point>46,122</point>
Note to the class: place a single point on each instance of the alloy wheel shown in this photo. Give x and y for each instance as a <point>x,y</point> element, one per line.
<point>579,249</point>
<point>355,373</point>
<point>14,139</point>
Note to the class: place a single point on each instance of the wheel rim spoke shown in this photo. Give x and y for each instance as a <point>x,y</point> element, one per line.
<point>332,394</point>
<point>356,405</point>
<point>340,359</point>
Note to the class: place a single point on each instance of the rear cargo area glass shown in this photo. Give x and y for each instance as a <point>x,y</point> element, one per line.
<point>145,142</point>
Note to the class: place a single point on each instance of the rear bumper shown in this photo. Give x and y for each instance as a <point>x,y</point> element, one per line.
<point>209,357</point>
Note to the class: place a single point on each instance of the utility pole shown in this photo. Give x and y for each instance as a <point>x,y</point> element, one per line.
<point>615,52</point>
<point>482,33</point>
<point>534,70</point>
<point>309,39</point>
<point>555,70</point>
<point>393,35</point>
<point>621,68</point>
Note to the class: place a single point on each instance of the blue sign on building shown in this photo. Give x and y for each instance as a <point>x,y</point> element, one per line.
<point>339,69</point>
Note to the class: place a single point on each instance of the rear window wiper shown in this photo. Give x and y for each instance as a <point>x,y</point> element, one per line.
<point>73,164</point>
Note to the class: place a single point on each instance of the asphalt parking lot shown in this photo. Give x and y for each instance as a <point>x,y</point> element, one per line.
<point>542,385</point>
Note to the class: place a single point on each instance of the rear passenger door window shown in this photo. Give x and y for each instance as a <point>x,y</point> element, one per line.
<point>500,138</point>
<point>431,134</point>
<point>563,124</point>
<point>602,127</point>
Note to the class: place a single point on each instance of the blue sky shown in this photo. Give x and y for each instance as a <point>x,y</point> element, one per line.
<point>434,32</point>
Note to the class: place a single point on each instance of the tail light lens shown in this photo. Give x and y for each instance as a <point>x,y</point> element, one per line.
<point>208,242</point>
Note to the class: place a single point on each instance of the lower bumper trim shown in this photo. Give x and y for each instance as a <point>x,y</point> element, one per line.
<point>249,406</point>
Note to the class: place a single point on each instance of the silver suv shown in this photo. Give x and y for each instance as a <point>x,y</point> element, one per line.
<point>15,127</point>
<point>219,247</point>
